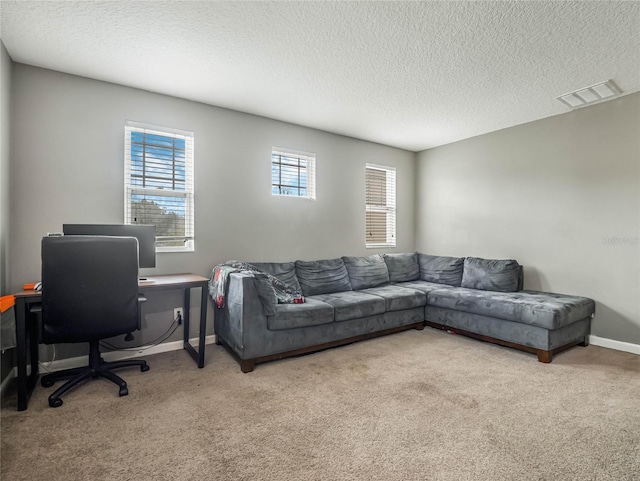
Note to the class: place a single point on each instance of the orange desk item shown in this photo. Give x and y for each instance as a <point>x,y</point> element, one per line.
<point>6,302</point>
<point>27,329</point>
<point>7,322</point>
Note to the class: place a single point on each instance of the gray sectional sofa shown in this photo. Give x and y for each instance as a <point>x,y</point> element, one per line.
<point>354,298</point>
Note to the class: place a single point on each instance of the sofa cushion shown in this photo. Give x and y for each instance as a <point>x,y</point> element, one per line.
<point>490,274</point>
<point>290,316</point>
<point>352,304</point>
<point>398,298</point>
<point>403,267</point>
<point>366,271</point>
<point>441,269</point>
<point>322,277</point>
<point>423,286</point>
<point>285,271</point>
<point>543,309</point>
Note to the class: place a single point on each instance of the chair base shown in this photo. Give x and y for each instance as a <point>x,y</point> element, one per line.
<point>97,368</point>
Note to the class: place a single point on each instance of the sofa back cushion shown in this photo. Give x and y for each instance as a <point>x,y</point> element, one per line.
<point>322,277</point>
<point>285,271</point>
<point>366,272</point>
<point>441,269</point>
<point>403,267</point>
<point>491,274</point>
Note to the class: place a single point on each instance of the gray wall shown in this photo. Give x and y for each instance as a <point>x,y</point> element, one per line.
<point>68,167</point>
<point>561,195</point>
<point>6,66</point>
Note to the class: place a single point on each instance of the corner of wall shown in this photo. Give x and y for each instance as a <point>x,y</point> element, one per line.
<point>6,68</point>
<point>6,72</point>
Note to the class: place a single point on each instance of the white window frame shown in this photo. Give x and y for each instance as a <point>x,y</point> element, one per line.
<point>389,208</point>
<point>311,171</point>
<point>187,194</point>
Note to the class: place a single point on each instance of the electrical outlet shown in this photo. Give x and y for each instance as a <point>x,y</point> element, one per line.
<point>178,312</point>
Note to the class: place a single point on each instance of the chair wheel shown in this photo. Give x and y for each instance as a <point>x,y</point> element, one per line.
<point>55,403</point>
<point>144,368</point>
<point>46,382</point>
<point>123,391</point>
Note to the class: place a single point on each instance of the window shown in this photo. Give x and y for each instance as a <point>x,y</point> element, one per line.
<point>381,206</point>
<point>158,183</point>
<point>293,174</point>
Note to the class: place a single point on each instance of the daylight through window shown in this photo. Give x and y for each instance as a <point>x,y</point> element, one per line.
<point>159,183</point>
<point>380,212</point>
<point>293,174</point>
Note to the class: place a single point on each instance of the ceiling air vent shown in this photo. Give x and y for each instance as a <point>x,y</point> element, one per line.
<point>590,95</point>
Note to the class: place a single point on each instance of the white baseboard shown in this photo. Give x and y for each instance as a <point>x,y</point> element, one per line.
<point>114,356</point>
<point>617,345</point>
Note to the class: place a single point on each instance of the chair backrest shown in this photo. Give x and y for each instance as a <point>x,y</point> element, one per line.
<point>89,287</point>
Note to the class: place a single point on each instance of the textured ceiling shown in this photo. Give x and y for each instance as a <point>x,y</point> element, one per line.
<point>408,74</point>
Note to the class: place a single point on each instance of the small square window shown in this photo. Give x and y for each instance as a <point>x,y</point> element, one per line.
<point>293,174</point>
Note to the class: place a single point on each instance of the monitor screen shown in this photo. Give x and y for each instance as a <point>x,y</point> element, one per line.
<point>146,235</point>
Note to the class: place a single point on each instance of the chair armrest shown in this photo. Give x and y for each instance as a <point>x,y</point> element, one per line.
<point>141,299</point>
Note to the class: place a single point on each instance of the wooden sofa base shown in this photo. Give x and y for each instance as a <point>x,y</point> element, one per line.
<point>247,365</point>
<point>543,356</point>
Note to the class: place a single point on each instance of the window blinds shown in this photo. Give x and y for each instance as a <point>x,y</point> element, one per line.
<point>380,222</point>
<point>159,183</point>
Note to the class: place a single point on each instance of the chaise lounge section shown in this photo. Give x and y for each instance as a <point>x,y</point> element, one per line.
<point>355,298</point>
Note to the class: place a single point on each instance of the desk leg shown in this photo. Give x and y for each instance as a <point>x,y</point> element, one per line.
<point>34,355</point>
<point>185,319</point>
<point>198,356</point>
<point>21,353</point>
<point>203,324</point>
<point>25,383</point>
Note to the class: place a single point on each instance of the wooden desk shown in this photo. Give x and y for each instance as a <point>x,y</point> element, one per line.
<point>27,328</point>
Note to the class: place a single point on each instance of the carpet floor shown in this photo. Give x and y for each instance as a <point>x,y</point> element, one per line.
<point>418,405</point>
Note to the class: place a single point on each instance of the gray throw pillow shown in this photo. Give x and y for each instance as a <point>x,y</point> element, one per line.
<point>491,274</point>
<point>441,269</point>
<point>403,267</point>
<point>322,277</point>
<point>285,271</point>
<point>366,272</point>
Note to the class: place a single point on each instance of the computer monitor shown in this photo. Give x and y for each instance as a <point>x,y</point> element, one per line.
<point>146,235</point>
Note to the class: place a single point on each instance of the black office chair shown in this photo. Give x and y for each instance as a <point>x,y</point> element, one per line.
<point>89,293</point>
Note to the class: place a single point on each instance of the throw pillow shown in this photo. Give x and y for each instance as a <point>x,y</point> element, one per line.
<point>441,269</point>
<point>322,277</point>
<point>403,267</point>
<point>366,272</point>
<point>285,271</point>
<point>491,274</point>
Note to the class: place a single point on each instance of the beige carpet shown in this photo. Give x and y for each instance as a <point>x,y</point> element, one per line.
<point>411,406</point>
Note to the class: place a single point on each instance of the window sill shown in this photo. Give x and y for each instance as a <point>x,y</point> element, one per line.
<point>282,196</point>
<point>161,250</point>
<point>379,246</point>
